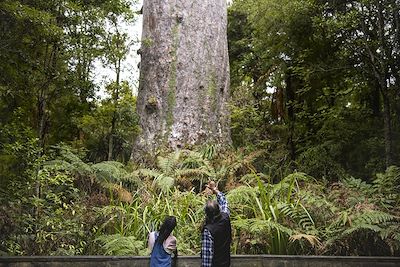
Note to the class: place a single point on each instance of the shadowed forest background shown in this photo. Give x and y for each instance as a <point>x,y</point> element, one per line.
<point>312,167</point>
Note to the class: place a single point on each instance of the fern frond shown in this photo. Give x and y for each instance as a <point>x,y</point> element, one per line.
<point>120,245</point>
<point>58,165</point>
<point>149,173</point>
<point>298,214</point>
<point>241,224</point>
<point>110,171</point>
<point>164,182</point>
<point>80,167</point>
<point>389,181</point>
<point>373,217</point>
<point>313,240</point>
<point>192,174</point>
<point>168,164</point>
<point>70,162</point>
<point>132,177</point>
<point>362,226</point>
<point>358,185</point>
<point>257,226</point>
<point>243,199</point>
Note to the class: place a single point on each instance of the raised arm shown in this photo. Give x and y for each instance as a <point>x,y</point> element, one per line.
<point>221,199</point>
<point>222,202</point>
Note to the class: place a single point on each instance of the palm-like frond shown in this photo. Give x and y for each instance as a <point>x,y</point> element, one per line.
<point>120,245</point>
<point>387,188</point>
<point>251,178</point>
<point>164,182</point>
<point>262,226</point>
<point>358,185</point>
<point>169,163</point>
<point>311,239</point>
<point>242,161</point>
<point>69,162</point>
<point>151,173</point>
<point>110,171</point>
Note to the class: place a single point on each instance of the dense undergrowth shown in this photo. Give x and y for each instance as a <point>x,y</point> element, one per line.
<point>69,207</point>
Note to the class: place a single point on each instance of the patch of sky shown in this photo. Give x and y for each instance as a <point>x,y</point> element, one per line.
<point>104,75</point>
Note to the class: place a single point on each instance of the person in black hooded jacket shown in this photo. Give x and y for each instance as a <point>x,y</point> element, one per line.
<point>217,231</point>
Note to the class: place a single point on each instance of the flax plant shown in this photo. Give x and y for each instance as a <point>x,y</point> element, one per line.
<point>271,218</point>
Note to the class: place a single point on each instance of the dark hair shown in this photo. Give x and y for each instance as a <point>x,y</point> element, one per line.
<point>212,211</point>
<point>166,228</point>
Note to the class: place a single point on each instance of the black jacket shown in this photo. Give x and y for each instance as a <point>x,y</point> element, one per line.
<point>221,232</point>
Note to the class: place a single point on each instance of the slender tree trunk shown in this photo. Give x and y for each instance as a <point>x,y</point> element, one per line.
<point>184,75</point>
<point>290,99</point>
<point>41,130</point>
<point>42,121</point>
<point>111,138</point>
<point>43,97</point>
<point>387,129</point>
<point>115,113</point>
<point>375,100</point>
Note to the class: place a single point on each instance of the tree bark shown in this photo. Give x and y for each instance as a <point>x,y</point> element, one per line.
<point>290,98</point>
<point>387,128</point>
<point>115,98</point>
<point>184,75</point>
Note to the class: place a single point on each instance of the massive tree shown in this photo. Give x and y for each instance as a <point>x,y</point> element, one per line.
<point>184,75</point>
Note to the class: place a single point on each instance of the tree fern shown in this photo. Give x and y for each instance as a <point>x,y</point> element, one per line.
<point>387,188</point>
<point>357,185</point>
<point>178,165</point>
<point>109,171</point>
<point>361,224</point>
<point>373,217</point>
<point>68,161</point>
<point>103,172</point>
<point>389,182</point>
<point>243,200</point>
<point>121,245</point>
<point>169,163</point>
<point>298,214</point>
<point>151,173</point>
<point>164,182</point>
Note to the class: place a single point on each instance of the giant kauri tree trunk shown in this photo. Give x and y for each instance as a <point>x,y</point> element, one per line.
<point>184,75</point>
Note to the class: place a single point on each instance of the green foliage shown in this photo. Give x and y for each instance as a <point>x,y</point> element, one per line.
<point>297,215</point>
<point>119,245</point>
<point>96,127</point>
<point>49,223</point>
<point>276,214</point>
<point>181,167</point>
<point>303,88</point>
<point>311,121</point>
<point>360,214</point>
<point>132,223</point>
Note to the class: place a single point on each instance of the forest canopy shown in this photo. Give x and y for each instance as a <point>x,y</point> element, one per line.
<point>313,163</point>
